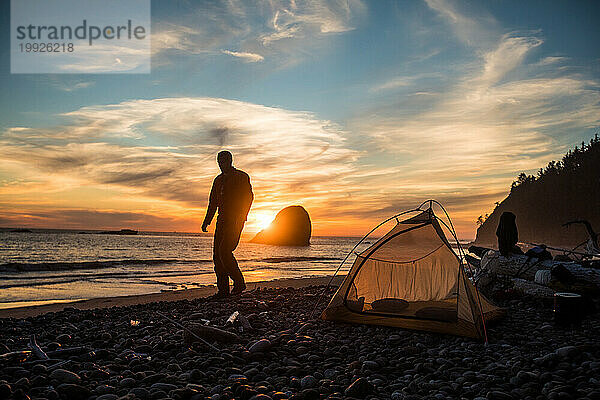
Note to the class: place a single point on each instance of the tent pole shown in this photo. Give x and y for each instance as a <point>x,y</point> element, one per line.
<point>462,254</point>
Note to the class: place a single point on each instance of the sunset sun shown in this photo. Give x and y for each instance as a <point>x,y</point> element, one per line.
<point>262,220</point>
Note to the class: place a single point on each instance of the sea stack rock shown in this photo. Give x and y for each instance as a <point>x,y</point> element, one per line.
<point>291,227</point>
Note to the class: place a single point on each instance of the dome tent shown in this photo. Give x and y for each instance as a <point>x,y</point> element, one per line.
<point>411,278</point>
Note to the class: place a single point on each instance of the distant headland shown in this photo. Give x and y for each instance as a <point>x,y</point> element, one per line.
<point>121,232</point>
<point>564,191</point>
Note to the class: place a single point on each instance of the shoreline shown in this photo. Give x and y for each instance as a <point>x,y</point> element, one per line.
<point>175,295</point>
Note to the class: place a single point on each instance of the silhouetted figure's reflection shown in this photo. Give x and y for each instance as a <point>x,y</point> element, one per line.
<point>232,195</point>
<point>507,234</point>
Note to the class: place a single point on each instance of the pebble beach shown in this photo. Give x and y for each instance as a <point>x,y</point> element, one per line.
<point>132,352</point>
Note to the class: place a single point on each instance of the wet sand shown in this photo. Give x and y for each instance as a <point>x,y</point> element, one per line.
<point>176,295</point>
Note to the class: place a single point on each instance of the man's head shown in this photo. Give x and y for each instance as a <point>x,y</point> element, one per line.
<point>225,160</point>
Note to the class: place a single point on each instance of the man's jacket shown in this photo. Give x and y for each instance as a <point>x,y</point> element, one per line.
<point>231,194</point>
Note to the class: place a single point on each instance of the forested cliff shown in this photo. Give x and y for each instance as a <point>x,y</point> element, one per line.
<point>565,190</point>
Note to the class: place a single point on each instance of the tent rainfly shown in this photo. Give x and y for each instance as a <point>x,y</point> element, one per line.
<point>411,278</point>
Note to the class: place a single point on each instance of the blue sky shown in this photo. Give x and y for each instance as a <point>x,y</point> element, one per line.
<point>354,109</point>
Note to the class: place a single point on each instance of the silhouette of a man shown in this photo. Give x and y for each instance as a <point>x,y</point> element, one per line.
<point>232,195</point>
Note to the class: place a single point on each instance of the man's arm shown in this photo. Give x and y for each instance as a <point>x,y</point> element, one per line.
<point>249,197</point>
<point>212,206</point>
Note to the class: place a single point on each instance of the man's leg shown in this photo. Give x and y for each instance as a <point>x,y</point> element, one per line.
<point>233,233</point>
<point>220,268</point>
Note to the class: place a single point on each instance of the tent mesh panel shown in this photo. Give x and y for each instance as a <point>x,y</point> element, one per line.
<point>410,272</point>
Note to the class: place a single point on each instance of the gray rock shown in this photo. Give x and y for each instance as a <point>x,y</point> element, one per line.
<point>72,392</point>
<point>64,376</point>
<point>251,372</point>
<point>260,346</point>
<point>526,376</point>
<point>105,389</point>
<point>546,359</point>
<point>397,395</point>
<point>107,397</point>
<point>377,382</point>
<point>174,368</point>
<point>497,395</point>
<point>39,369</point>
<point>310,394</point>
<point>370,365</point>
<point>217,389</point>
<point>98,374</point>
<point>140,393</point>
<point>127,382</point>
<point>22,382</point>
<point>197,388</point>
<point>166,387</point>
<point>308,382</point>
<point>567,351</point>
<point>159,394</point>
<point>330,373</point>
<point>5,391</point>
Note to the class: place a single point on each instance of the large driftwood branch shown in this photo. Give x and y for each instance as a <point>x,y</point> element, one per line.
<point>188,331</point>
<point>15,355</point>
<point>493,263</point>
<point>69,351</point>
<point>37,350</point>
<point>195,331</point>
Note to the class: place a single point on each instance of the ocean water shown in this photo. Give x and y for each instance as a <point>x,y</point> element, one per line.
<point>46,266</point>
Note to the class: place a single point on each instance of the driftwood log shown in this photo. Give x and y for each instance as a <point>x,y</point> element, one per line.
<point>69,351</point>
<point>208,333</point>
<point>521,266</point>
<point>36,349</point>
<point>15,355</point>
<point>531,288</point>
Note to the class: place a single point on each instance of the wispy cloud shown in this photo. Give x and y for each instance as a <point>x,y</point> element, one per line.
<point>504,113</point>
<point>551,60</point>
<point>126,57</point>
<point>473,30</point>
<point>403,81</point>
<point>394,83</point>
<point>106,219</point>
<point>292,156</point>
<point>76,86</point>
<point>258,28</point>
<point>508,55</point>
<point>246,57</point>
<point>292,19</point>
